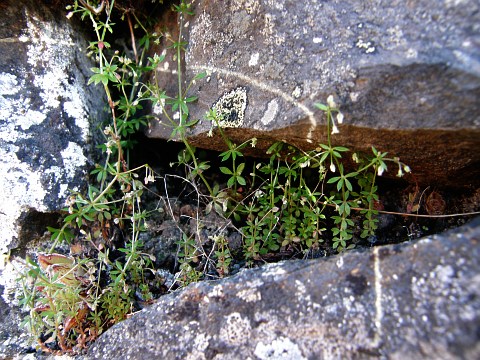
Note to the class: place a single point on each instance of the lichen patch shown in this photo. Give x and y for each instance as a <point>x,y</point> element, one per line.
<point>250,295</point>
<point>271,113</point>
<point>236,329</point>
<point>254,59</point>
<point>50,53</point>
<point>231,107</point>
<point>280,349</point>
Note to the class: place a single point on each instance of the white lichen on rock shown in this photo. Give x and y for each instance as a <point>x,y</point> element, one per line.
<point>271,113</point>
<point>279,349</point>
<point>236,329</point>
<point>368,46</point>
<point>251,293</point>
<point>230,108</point>
<point>249,6</point>
<point>51,49</point>
<point>254,59</point>
<point>274,270</point>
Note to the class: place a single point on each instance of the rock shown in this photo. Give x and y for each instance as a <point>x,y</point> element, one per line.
<point>406,76</point>
<point>419,299</point>
<point>47,117</point>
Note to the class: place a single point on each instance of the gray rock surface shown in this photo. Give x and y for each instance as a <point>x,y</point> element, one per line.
<point>414,300</point>
<point>48,116</point>
<point>405,74</point>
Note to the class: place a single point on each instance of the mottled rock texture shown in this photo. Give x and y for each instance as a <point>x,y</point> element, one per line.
<point>47,116</point>
<point>415,300</point>
<point>405,73</point>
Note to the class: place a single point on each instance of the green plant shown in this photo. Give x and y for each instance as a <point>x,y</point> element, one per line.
<point>53,291</point>
<point>188,256</point>
<point>67,311</point>
<point>291,204</point>
<point>222,254</point>
<point>287,211</point>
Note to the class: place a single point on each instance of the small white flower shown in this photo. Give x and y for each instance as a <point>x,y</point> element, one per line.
<point>355,158</point>
<point>69,15</point>
<point>254,142</point>
<point>406,168</point>
<point>258,194</point>
<point>380,171</point>
<point>340,118</point>
<point>305,164</point>
<point>210,133</point>
<point>149,179</point>
<point>400,172</point>
<point>331,102</point>
<point>332,167</point>
<point>335,129</point>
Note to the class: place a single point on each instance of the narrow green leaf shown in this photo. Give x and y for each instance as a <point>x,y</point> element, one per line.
<point>348,184</point>
<point>191,99</point>
<point>321,106</point>
<point>226,170</point>
<point>200,76</point>
<point>333,179</point>
<point>241,180</point>
<point>240,168</point>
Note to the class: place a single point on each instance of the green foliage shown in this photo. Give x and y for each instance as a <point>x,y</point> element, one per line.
<point>188,258</point>
<point>67,315</point>
<point>222,254</point>
<point>287,211</point>
<point>294,203</point>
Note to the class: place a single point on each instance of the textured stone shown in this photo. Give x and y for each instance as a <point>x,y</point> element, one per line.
<point>48,117</point>
<point>405,74</point>
<point>46,110</point>
<point>419,299</point>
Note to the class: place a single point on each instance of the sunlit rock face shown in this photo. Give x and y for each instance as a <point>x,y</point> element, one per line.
<point>48,124</point>
<point>406,76</point>
<point>47,115</point>
<point>419,299</point>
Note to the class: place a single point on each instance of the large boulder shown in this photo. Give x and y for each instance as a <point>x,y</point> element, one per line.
<point>419,299</point>
<point>48,117</point>
<point>406,75</point>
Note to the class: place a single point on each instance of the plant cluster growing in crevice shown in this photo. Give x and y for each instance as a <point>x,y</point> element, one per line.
<point>292,204</point>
